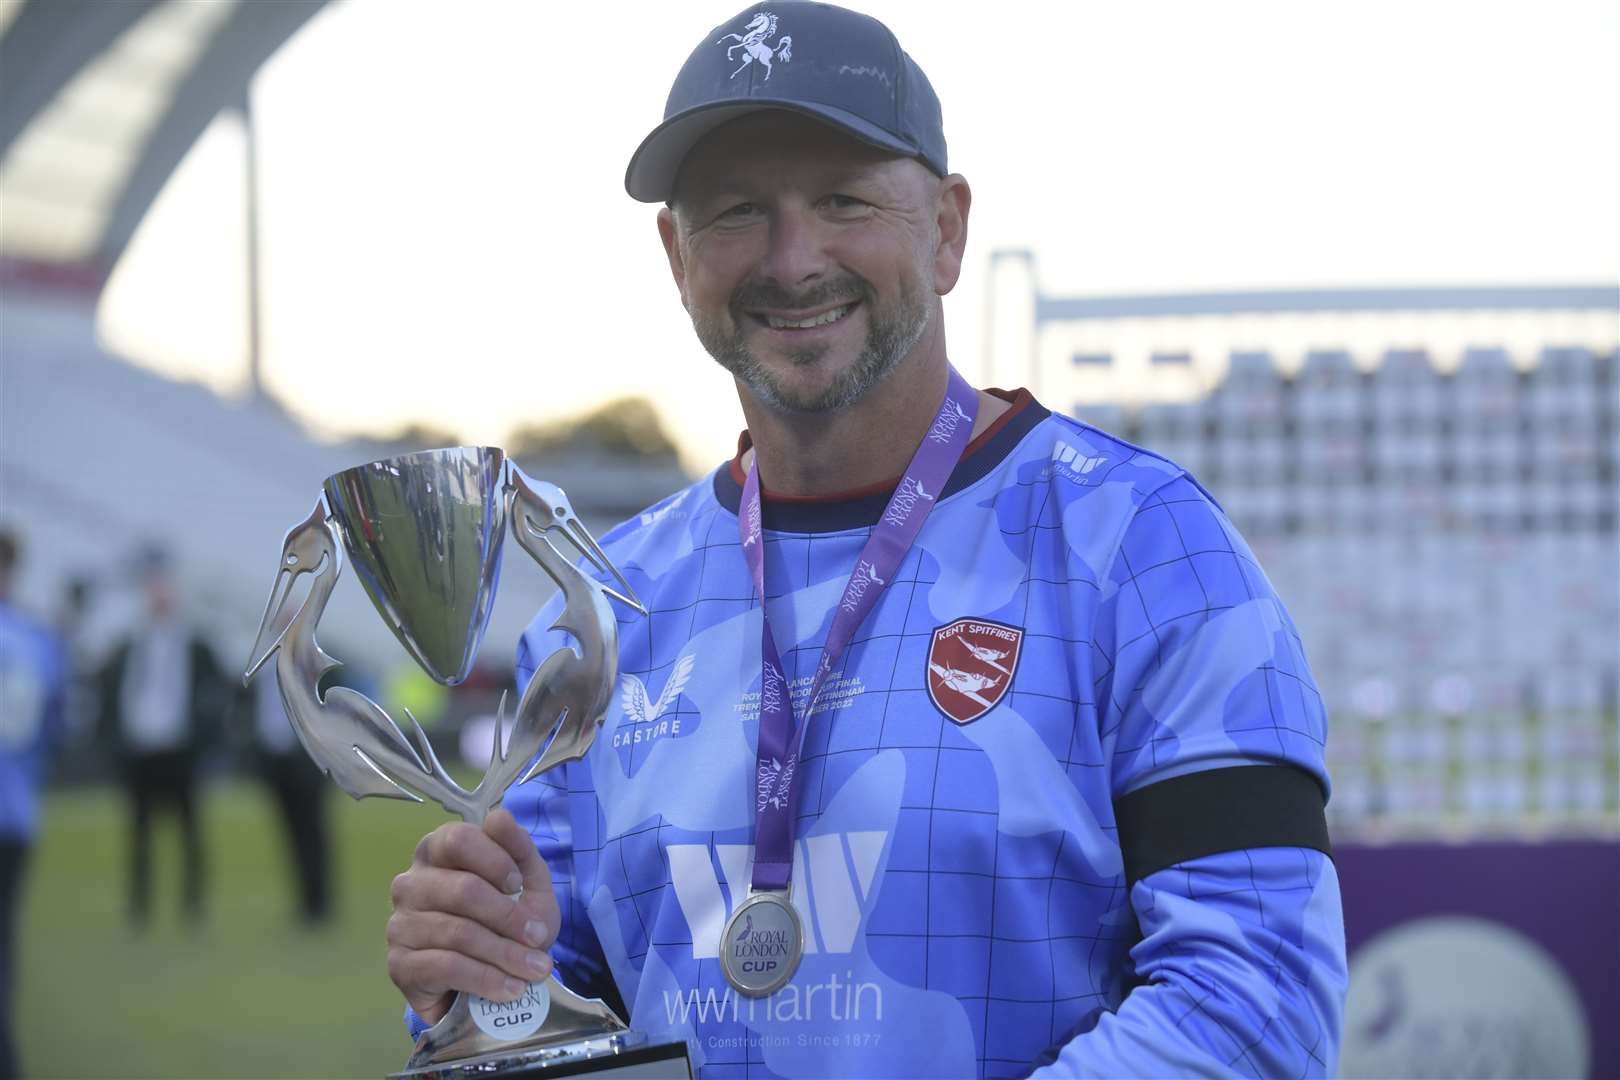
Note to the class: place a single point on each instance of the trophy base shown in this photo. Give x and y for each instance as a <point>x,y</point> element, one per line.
<point>621,1054</point>
<point>550,1031</point>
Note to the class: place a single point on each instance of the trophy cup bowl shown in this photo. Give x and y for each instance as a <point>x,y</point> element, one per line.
<point>425,532</point>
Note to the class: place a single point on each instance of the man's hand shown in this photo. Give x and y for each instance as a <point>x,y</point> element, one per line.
<point>475,912</point>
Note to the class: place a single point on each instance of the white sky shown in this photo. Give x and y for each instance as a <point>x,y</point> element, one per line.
<point>446,236</point>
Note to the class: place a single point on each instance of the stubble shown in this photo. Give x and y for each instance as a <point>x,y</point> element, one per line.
<point>890,336</point>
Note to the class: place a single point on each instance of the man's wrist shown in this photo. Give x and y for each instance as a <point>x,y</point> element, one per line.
<point>414,1023</point>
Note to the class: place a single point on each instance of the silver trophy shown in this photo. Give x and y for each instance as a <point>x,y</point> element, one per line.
<point>425,533</point>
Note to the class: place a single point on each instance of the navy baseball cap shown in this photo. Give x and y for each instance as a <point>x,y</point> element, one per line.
<point>838,66</point>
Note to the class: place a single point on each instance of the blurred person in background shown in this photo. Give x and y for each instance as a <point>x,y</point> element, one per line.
<point>163,696</point>
<point>83,691</point>
<point>1106,857</point>
<point>299,792</point>
<point>33,676</point>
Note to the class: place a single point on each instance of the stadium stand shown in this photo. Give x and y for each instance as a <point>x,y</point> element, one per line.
<point>1432,488</point>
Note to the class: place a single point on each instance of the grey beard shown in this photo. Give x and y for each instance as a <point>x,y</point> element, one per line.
<point>888,339</point>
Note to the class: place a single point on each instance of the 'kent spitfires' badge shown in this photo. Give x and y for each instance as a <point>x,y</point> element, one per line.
<point>970,666</point>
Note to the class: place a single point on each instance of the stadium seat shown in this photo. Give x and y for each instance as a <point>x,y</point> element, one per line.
<point>1329,394</point>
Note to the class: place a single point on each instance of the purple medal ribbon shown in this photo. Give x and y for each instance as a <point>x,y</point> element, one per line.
<point>781,735</point>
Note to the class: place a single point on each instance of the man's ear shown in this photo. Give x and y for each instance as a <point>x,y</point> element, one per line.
<point>668,233</point>
<point>954,200</point>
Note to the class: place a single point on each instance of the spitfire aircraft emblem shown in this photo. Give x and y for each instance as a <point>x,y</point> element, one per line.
<point>971,664</point>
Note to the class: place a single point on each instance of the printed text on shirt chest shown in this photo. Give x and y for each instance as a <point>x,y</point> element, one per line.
<point>839,692</point>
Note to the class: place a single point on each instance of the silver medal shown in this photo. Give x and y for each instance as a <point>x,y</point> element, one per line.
<point>762,943</point>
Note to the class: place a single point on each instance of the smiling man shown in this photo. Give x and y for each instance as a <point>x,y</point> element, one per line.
<point>962,738</point>
<point>813,266</point>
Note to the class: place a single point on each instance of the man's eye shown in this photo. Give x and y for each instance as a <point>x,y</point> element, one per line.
<point>844,202</point>
<point>741,210</point>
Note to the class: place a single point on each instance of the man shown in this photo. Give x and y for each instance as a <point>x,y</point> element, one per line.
<point>1058,802</point>
<point>162,698</point>
<point>299,791</point>
<point>33,680</point>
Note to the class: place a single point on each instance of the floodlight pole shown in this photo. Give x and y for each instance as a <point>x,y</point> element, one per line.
<point>244,108</point>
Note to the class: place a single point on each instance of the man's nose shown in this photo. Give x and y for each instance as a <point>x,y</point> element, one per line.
<point>796,253</point>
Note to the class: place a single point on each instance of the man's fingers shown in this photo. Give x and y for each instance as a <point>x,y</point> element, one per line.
<point>460,846</point>
<point>432,972</point>
<point>430,889</point>
<point>431,930</point>
<point>538,895</point>
<point>503,828</point>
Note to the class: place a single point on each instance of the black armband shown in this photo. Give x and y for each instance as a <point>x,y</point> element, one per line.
<point>1205,813</point>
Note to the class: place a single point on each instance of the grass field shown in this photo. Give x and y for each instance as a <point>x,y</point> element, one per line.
<point>249,993</point>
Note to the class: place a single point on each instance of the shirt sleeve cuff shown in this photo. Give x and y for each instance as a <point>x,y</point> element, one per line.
<point>415,1024</point>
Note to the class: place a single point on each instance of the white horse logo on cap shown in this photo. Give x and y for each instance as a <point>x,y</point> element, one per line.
<point>752,41</point>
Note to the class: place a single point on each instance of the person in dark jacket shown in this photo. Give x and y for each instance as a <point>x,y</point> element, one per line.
<point>162,697</point>
<point>298,789</point>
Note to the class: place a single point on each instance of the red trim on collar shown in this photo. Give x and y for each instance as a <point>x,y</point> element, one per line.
<point>1018,399</point>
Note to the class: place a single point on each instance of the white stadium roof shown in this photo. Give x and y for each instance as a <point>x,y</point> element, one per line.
<point>99,102</point>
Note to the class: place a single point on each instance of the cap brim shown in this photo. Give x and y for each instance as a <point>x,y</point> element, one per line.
<point>651,175</point>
